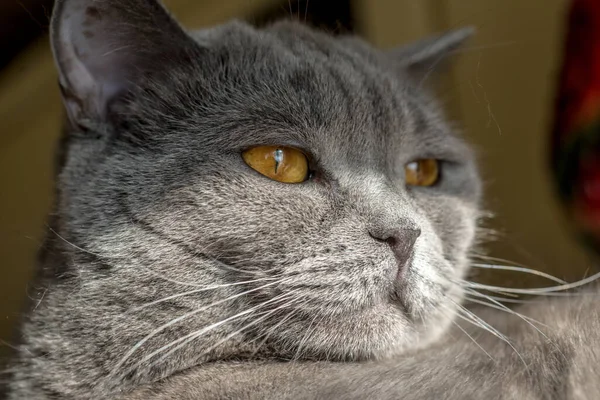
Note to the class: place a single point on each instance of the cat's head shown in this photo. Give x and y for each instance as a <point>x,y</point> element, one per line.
<point>173,183</point>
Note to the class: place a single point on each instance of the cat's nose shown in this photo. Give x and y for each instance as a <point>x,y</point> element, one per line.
<point>401,241</point>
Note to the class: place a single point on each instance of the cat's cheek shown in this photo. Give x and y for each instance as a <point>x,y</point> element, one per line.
<point>455,223</point>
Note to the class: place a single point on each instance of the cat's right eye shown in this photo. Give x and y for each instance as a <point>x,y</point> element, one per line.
<point>280,163</point>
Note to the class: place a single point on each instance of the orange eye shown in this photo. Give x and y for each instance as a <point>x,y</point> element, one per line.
<point>424,172</point>
<point>282,164</point>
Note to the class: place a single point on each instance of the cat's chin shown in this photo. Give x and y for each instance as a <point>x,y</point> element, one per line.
<point>380,332</point>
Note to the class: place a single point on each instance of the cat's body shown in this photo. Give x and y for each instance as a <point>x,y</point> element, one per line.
<point>167,253</point>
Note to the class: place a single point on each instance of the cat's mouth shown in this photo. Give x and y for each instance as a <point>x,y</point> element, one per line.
<point>399,285</point>
<point>423,288</point>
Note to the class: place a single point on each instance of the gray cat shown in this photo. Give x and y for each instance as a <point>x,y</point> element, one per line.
<point>272,213</point>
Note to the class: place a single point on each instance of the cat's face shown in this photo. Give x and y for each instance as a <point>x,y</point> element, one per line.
<point>159,191</point>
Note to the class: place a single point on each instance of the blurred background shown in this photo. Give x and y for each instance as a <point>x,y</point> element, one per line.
<point>500,92</point>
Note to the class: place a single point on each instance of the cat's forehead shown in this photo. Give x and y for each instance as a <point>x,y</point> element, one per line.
<point>293,35</point>
<point>296,84</point>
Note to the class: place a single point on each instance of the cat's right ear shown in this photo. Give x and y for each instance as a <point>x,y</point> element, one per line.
<point>421,58</point>
<point>102,47</point>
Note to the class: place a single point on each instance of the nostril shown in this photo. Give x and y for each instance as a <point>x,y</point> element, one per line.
<point>392,241</point>
<point>397,237</point>
<point>401,242</point>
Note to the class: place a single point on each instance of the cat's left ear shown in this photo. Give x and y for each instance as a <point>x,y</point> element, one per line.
<point>421,58</point>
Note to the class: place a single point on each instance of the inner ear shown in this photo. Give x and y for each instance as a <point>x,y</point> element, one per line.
<point>103,47</point>
<point>422,57</point>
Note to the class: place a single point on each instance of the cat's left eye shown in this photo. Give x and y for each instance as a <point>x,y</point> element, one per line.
<point>280,163</point>
<point>423,172</point>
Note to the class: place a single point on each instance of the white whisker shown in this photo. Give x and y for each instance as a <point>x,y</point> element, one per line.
<point>77,247</point>
<point>309,331</point>
<point>520,269</point>
<point>502,307</point>
<point>536,291</point>
<point>273,329</point>
<point>477,321</point>
<point>237,332</point>
<point>473,340</point>
<point>470,317</point>
<point>516,301</point>
<point>193,335</point>
<point>181,318</point>
<point>204,289</point>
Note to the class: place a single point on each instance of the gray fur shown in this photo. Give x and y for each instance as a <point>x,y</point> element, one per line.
<point>154,200</point>
<point>559,363</point>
